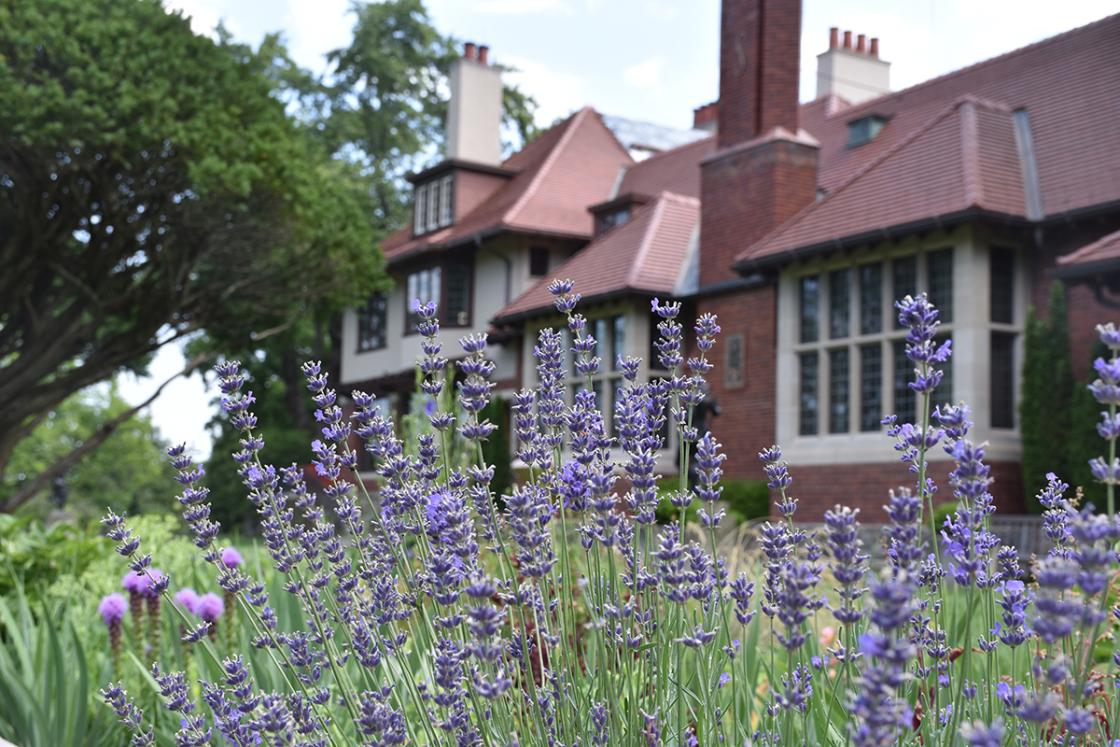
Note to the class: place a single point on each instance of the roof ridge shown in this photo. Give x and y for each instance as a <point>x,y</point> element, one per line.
<point>860,173</point>
<point>1089,248</point>
<point>658,211</point>
<point>549,160</point>
<point>673,151</point>
<point>991,60</point>
<point>668,194</point>
<point>970,155</point>
<point>574,123</point>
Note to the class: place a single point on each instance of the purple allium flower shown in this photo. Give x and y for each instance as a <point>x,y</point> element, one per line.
<point>231,558</point>
<point>136,583</point>
<point>112,609</point>
<point>188,599</point>
<point>210,607</point>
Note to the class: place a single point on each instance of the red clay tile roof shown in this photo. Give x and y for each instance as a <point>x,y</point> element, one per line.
<point>963,159</point>
<point>644,255</point>
<point>1068,85</point>
<point>1093,257</point>
<point>572,165</point>
<point>676,170</point>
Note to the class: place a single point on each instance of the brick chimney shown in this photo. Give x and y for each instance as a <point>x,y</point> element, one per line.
<point>854,73</point>
<point>474,113</point>
<point>765,168</point>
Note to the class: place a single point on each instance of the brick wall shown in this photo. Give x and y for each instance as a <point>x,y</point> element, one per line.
<point>745,425</point>
<point>865,486</point>
<point>746,192</point>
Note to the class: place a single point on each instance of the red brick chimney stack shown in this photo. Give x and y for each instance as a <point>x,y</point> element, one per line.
<point>764,169</point>
<point>760,41</point>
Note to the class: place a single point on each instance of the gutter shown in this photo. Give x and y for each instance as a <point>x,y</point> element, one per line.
<point>885,233</point>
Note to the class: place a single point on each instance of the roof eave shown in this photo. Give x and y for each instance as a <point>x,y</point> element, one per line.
<point>747,265</point>
<point>538,311</point>
<point>482,235</point>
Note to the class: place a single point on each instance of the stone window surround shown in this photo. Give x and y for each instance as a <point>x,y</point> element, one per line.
<point>971,330</point>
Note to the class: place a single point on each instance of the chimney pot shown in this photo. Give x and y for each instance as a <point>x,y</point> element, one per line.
<point>874,52</point>
<point>484,54</point>
<point>833,38</point>
<point>861,44</point>
<point>468,50</point>
<point>847,40</point>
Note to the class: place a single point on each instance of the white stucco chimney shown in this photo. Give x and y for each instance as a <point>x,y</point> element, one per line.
<point>474,114</point>
<point>852,72</point>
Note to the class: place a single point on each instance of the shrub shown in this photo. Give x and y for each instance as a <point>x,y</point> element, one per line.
<point>427,616</point>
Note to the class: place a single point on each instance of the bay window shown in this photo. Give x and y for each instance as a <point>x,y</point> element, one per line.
<point>852,364</point>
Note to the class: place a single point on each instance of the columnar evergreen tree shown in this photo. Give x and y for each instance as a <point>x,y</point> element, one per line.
<point>1047,390</point>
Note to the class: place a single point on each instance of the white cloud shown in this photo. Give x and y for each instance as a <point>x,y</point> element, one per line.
<point>557,93</point>
<point>204,15</point>
<point>645,74</point>
<point>182,410</point>
<point>523,7</point>
<point>315,27</point>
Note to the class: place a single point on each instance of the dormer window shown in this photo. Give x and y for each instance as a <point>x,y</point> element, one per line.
<point>864,129</point>
<point>432,206</point>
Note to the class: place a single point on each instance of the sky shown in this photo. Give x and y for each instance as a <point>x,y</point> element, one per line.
<point>652,60</point>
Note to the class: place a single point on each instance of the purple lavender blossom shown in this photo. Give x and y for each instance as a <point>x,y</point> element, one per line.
<point>849,561</point>
<point>128,714</point>
<point>879,713</point>
<point>979,734</point>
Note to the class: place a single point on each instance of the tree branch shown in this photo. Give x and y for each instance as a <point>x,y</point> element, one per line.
<point>98,437</point>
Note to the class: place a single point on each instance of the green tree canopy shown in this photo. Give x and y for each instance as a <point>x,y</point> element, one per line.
<point>152,186</point>
<point>127,472</point>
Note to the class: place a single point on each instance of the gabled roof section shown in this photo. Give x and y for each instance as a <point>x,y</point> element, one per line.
<point>555,177</point>
<point>676,170</point>
<point>645,255</point>
<point>1103,254</point>
<point>963,161</point>
<point>1069,85</point>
